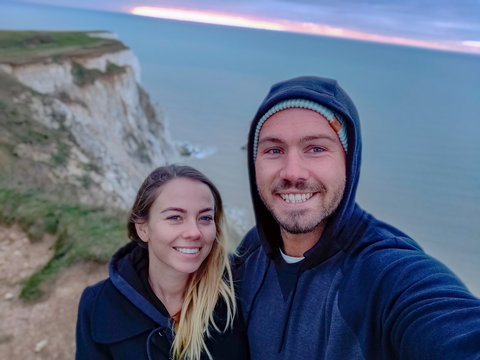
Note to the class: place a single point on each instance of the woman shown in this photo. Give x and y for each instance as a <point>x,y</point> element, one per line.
<point>170,292</point>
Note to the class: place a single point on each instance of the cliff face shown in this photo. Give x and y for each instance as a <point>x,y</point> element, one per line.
<point>80,124</point>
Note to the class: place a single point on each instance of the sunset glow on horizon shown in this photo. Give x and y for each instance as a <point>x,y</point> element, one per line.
<point>207,17</point>
<point>229,19</point>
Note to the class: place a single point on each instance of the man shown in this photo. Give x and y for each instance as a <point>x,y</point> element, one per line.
<point>320,278</point>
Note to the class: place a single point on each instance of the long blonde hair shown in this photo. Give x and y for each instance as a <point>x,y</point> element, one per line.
<point>211,283</point>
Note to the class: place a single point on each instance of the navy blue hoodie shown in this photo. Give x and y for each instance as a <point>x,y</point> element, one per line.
<point>365,290</point>
<point>121,318</point>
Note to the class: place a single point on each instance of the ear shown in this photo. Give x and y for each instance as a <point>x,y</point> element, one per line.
<point>142,231</point>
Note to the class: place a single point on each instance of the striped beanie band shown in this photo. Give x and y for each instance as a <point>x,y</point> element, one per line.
<point>336,121</point>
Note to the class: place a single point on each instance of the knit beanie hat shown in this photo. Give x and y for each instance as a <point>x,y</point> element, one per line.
<point>336,121</point>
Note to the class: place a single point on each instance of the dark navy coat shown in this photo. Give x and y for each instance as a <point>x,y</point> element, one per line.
<point>116,321</point>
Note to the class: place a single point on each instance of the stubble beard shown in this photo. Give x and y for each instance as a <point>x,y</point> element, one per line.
<point>299,221</point>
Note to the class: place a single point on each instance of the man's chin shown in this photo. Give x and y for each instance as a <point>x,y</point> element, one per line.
<point>297,227</point>
<point>298,223</point>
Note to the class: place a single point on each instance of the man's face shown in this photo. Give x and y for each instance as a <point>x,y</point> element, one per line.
<point>300,169</point>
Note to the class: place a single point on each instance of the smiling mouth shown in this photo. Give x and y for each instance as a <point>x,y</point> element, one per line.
<point>187,250</point>
<point>296,198</point>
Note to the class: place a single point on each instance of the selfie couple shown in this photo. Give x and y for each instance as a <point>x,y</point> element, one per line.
<point>317,277</point>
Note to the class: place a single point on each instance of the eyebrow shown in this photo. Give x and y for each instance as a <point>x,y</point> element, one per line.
<point>272,139</point>
<point>183,211</point>
<point>317,137</point>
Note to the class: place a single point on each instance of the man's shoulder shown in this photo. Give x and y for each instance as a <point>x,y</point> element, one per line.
<point>384,254</point>
<point>390,261</point>
<point>378,237</point>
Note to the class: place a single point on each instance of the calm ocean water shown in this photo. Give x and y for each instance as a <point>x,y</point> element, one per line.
<point>419,111</point>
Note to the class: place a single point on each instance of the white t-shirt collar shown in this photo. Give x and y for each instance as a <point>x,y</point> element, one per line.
<point>291,259</point>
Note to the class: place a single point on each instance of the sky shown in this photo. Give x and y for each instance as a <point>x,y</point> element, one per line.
<point>438,24</point>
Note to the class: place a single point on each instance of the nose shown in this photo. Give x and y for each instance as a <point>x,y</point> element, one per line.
<point>294,168</point>
<point>191,230</point>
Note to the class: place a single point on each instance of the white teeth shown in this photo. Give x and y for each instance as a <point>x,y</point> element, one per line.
<point>296,198</point>
<point>188,250</point>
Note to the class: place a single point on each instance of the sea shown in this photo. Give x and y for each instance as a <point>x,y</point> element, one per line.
<point>419,110</point>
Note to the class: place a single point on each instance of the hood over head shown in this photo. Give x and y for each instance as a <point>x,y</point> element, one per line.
<point>328,94</point>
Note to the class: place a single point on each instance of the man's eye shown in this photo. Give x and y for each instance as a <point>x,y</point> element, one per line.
<point>274,151</point>
<point>317,149</point>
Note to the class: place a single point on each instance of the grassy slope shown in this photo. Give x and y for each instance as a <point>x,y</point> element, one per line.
<point>82,233</point>
<point>26,196</point>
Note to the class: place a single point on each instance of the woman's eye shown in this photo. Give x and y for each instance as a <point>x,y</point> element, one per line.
<point>174,217</point>
<point>206,218</point>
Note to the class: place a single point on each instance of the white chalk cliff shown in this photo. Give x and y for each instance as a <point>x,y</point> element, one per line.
<point>115,136</point>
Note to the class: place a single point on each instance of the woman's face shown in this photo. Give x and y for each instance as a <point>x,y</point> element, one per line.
<point>181,229</point>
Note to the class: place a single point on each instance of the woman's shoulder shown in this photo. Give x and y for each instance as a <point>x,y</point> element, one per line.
<point>91,293</point>
<point>104,301</point>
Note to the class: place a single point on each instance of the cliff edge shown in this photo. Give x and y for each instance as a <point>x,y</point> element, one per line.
<point>75,120</point>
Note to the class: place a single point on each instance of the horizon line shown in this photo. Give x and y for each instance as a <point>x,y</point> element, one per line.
<point>253,22</point>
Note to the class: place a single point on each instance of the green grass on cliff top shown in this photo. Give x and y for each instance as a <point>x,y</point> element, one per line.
<point>20,47</point>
